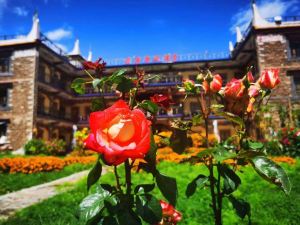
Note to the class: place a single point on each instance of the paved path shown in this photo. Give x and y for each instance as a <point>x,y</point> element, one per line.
<point>12,202</point>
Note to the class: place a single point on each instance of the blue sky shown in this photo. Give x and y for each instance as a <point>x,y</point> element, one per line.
<point>121,28</point>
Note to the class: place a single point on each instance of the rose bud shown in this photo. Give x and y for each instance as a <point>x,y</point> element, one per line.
<point>250,77</point>
<point>189,85</point>
<point>119,133</point>
<point>214,86</point>
<point>200,77</point>
<point>253,90</point>
<point>269,78</point>
<point>170,215</point>
<point>235,89</point>
<point>162,100</point>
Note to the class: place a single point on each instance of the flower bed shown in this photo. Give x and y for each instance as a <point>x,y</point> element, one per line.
<point>38,164</point>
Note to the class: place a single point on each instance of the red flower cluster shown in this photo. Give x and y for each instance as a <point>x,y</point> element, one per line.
<point>240,94</point>
<point>98,66</point>
<point>162,100</point>
<point>119,133</point>
<point>170,215</point>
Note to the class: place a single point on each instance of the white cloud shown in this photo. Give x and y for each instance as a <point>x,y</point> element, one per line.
<point>59,34</point>
<point>20,11</point>
<point>267,9</point>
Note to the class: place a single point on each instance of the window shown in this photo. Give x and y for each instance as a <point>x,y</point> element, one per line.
<point>294,47</point>
<point>4,95</point>
<point>195,108</point>
<point>295,78</point>
<point>297,84</point>
<point>4,64</point>
<point>3,132</point>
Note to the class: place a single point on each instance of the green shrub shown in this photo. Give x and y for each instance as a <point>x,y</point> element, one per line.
<point>38,146</point>
<point>288,143</point>
<point>56,147</point>
<point>35,147</point>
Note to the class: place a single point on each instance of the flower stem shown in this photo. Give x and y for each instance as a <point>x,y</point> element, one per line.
<point>117,178</point>
<point>128,178</point>
<point>90,75</point>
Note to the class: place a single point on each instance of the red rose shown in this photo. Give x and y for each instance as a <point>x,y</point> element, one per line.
<point>97,65</point>
<point>269,78</point>
<point>214,86</point>
<point>235,89</point>
<point>170,214</point>
<point>162,100</point>
<point>119,133</point>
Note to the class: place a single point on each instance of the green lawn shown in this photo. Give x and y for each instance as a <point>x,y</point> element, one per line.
<point>269,205</point>
<point>17,181</point>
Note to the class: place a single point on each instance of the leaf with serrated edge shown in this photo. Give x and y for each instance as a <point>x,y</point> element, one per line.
<point>272,172</point>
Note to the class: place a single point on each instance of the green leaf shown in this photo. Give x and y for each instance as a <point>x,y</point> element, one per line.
<point>271,172</point>
<point>94,174</point>
<point>179,140</point>
<point>125,85</point>
<point>199,182</point>
<point>217,107</point>
<point>149,106</point>
<point>220,153</point>
<point>119,72</point>
<point>168,187</point>
<point>151,154</point>
<point>255,145</point>
<point>231,180</point>
<point>206,152</point>
<point>232,117</point>
<point>197,120</point>
<point>97,104</point>
<point>110,220</point>
<point>248,154</point>
<point>91,205</point>
<point>96,82</point>
<point>127,216</point>
<point>78,85</point>
<point>149,208</point>
<point>242,208</point>
<point>108,187</point>
<point>144,188</point>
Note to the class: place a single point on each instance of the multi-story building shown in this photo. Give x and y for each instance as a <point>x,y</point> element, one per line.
<point>35,76</point>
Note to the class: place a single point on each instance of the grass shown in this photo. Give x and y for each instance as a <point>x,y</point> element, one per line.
<point>269,205</point>
<point>17,181</point>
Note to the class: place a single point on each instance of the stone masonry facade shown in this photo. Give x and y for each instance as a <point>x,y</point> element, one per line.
<point>21,97</point>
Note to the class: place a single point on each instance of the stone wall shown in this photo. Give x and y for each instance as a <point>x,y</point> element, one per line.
<point>22,97</point>
<point>273,52</point>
